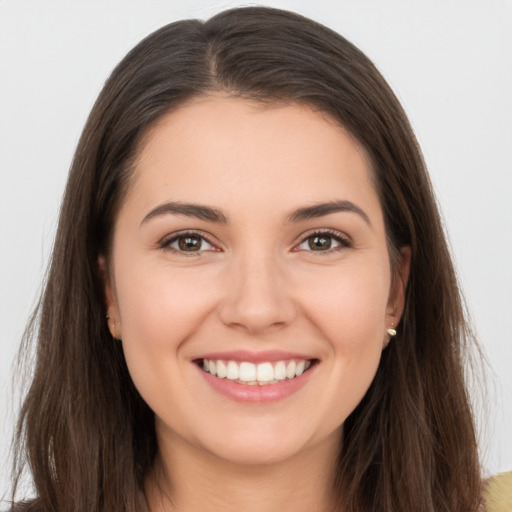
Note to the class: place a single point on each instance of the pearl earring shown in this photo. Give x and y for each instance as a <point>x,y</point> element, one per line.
<point>391,331</point>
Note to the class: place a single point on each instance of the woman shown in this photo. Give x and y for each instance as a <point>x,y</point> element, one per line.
<point>250,304</point>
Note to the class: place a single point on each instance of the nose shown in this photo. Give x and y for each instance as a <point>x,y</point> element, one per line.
<point>256,298</point>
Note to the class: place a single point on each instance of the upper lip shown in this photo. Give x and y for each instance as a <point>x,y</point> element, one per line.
<point>254,357</point>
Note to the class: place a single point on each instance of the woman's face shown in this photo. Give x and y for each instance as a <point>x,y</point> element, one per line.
<point>250,280</point>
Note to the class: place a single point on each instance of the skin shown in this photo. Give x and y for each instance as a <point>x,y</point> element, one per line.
<point>255,285</point>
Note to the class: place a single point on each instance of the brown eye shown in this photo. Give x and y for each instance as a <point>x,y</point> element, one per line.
<point>324,241</point>
<point>190,243</point>
<point>320,242</point>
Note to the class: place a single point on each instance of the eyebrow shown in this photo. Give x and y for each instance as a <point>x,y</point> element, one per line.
<point>211,214</point>
<point>188,210</point>
<point>322,209</point>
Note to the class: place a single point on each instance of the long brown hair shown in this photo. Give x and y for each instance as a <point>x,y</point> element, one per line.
<point>87,435</point>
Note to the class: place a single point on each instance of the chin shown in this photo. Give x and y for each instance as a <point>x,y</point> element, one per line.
<point>256,452</point>
<point>265,445</point>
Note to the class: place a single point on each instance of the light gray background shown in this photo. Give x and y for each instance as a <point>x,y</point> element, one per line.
<point>449,61</point>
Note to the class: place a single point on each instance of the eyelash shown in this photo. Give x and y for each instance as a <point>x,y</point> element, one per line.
<point>343,241</point>
<point>165,244</point>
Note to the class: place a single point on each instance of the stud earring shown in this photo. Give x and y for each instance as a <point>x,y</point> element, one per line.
<point>391,331</point>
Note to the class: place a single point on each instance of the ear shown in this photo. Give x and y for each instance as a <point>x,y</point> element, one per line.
<point>112,315</point>
<point>396,301</point>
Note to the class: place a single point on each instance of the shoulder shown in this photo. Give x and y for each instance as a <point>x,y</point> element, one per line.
<point>498,493</point>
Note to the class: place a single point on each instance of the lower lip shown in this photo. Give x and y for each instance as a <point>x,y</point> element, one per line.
<point>256,393</point>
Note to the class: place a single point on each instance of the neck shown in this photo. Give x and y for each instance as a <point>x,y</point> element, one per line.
<point>188,479</point>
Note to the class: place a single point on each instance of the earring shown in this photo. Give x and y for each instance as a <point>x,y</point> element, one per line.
<point>391,331</point>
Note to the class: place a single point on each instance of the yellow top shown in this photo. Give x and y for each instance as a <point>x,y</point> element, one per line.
<point>498,493</point>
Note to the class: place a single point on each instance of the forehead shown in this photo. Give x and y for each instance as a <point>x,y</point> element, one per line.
<point>236,152</point>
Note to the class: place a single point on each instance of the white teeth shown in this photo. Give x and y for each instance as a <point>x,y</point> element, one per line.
<point>247,372</point>
<point>232,373</point>
<point>252,374</point>
<point>300,368</point>
<point>264,372</point>
<point>280,371</point>
<point>290,370</point>
<point>222,370</point>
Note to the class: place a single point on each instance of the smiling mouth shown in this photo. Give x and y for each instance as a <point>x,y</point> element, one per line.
<point>251,374</point>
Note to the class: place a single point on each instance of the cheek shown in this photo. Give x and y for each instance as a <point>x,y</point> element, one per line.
<point>349,304</point>
<point>159,310</point>
<point>159,305</point>
<point>350,318</point>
